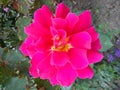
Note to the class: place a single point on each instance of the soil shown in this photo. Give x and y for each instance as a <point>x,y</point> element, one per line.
<point>104,11</point>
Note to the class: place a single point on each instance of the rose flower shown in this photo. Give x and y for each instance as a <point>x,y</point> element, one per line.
<point>61,46</point>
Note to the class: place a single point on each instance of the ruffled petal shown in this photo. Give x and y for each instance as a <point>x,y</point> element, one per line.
<point>72,19</point>
<point>66,75</point>
<point>43,16</point>
<point>35,30</point>
<point>37,58</point>
<point>44,43</point>
<point>94,56</point>
<point>41,23</point>
<point>62,10</point>
<point>31,50</point>
<point>23,48</point>
<point>96,45</point>
<point>85,21</point>
<point>27,47</point>
<point>59,37</point>
<point>59,23</point>
<point>34,72</point>
<point>93,33</point>
<point>59,58</point>
<point>78,58</point>
<point>53,79</point>
<point>45,69</point>
<point>81,40</point>
<point>85,73</point>
<point>58,32</point>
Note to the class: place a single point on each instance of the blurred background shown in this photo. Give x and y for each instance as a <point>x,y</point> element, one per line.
<point>14,67</point>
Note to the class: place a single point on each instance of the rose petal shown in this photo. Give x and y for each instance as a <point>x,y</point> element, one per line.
<point>59,58</point>
<point>85,21</point>
<point>23,48</point>
<point>85,73</point>
<point>59,37</point>
<point>78,58</point>
<point>66,75</point>
<point>81,40</point>
<point>43,16</point>
<point>53,79</point>
<point>37,58</point>
<point>26,49</point>
<point>58,32</point>
<point>44,43</point>
<point>94,56</point>
<point>93,33</point>
<point>45,69</point>
<point>72,19</point>
<point>35,30</point>
<point>59,23</point>
<point>34,72</point>
<point>96,45</point>
<point>62,10</point>
<point>31,51</point>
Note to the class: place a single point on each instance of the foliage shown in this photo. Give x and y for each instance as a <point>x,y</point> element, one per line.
<point>15,81</point>
<point>20,23</point>
<point>14,66</point>
<point>104,78</point>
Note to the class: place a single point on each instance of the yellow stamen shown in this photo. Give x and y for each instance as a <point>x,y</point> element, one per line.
<point>64,48</point>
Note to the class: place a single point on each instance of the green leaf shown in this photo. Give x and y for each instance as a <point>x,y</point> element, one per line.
<point>82,84</point>
<point>4,2</point>
<point>44,83</point>
<point>66,88</point>
<point>16,61</point>
<point>5,73</point>
<point>16,84</point>
<point>106,42</point>
<point>49,3</point>
<point>24,6</point>
<point>35,6</point>
<point>13,57</point>
<point>1,52</point>
<point>77,86</point>
<point>21,23</point>
<point>112,33</point>
<point>0,87</point>
<point>103,28</point>
<point>100,28</point>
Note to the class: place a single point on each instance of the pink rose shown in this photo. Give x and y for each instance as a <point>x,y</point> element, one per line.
<point>61,46</point>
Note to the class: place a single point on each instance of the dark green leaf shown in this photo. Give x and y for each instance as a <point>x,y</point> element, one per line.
<point>1,52</point>
<point>66,88</point>
<point>45,83</point>
<point>4,2</point>
<point>16,61</point>
<point>14,57</point>
<point>106,42</point>
<point>112,33</point>
<point>5,73</point>
<point>16,84</point>
<point>24,6</point>
<point>47,2</point>
<point>21,23</point>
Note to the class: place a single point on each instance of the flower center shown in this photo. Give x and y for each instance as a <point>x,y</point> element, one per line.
<point>61,44</point>
<point>64,48</point>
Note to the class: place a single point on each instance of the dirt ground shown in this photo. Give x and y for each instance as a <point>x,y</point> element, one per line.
<point>105,11</point>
